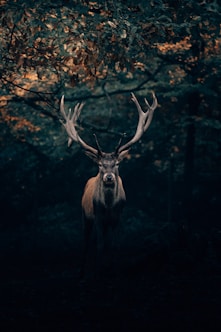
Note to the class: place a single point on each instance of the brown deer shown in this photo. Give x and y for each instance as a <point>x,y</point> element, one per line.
<point>104,197</point>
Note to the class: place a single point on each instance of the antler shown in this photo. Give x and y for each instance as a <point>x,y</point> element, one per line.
<point>70,126</point>
<point>71,118</point>
<point>144,121</point>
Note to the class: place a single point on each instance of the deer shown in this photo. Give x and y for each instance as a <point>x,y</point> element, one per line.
<point>104,197</point>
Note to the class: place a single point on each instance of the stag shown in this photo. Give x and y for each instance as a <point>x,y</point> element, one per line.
<point>104,196</point>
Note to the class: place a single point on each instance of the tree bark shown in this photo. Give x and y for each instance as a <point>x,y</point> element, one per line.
<point>194,103</point>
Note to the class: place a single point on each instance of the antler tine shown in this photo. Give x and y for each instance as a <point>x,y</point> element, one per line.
<point>77,112</point>
<point>150,110</point>
<point>144,121</point>
<point>70,125</point>
<point>136,102</point>
<point>62,107</point>
<point>98,145</point>
<point>119,143</point>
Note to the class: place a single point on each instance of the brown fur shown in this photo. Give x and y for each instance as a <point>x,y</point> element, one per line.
<point>91,186</point>
<point>87,199</point>
<point>101,210</point>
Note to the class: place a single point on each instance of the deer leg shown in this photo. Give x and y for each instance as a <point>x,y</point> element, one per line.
<point>88,227</point>
<point>100,237</point>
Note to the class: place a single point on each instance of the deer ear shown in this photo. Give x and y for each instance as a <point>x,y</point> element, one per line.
<point>122,155</point>
<point>93,156</point>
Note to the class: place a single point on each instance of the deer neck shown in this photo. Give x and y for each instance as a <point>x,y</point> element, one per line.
<point>108,194</point>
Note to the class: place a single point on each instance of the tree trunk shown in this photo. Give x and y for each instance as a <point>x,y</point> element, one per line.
<point>194,103</point>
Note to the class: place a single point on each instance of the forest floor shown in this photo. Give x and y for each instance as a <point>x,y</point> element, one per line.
<point>152,287</point>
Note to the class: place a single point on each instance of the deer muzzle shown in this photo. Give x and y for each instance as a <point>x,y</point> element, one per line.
<point>109,178</point>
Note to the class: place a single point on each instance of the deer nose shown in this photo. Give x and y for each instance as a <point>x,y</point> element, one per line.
<point>109,177</point>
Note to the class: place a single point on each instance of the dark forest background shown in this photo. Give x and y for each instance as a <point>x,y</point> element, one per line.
<point>167,273</point>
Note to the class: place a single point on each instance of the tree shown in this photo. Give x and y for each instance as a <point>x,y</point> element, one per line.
<point>90,50</point>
